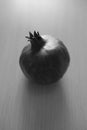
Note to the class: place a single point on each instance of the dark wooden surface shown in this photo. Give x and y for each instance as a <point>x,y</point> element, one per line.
<point>24,105</point>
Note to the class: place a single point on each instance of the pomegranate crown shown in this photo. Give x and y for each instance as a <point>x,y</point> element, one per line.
<point>31,36</point>
<point>37,42</point>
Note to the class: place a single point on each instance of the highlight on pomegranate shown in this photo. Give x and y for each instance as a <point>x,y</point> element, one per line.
<point>45,59</point>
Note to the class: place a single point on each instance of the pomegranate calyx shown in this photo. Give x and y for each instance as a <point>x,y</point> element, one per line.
<point>37,42</point>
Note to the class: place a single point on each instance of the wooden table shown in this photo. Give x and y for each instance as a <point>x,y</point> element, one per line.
<point>24,105</point>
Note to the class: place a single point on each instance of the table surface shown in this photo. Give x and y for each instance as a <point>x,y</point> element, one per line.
<point>24,105</point>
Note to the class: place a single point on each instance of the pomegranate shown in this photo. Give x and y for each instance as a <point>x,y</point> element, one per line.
<point>45,59</point>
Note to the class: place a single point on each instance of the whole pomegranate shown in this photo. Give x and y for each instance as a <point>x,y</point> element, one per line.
<point>45,59</point>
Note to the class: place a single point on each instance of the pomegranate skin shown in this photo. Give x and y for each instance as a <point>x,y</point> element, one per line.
<point>44,66</point>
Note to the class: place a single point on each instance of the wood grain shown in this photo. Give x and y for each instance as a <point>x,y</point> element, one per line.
<point>25,105</point>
